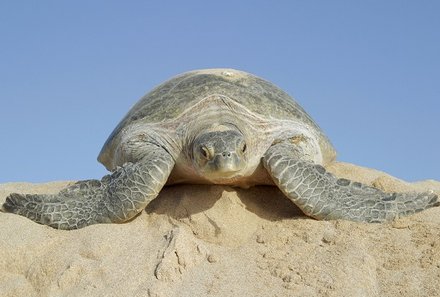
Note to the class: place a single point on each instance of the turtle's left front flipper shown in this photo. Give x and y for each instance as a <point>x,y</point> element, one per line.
<point>321,195</point>
<point>116,198</point>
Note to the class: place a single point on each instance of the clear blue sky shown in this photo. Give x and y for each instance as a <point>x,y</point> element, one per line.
<point>367,71</point>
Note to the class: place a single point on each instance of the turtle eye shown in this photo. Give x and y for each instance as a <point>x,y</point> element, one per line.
<point>204,151</point>
<point>244,147</point>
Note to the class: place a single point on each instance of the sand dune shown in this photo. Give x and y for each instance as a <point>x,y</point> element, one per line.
<point>222,241</point>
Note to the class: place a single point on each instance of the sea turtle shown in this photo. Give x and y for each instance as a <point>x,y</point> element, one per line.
<point>215,126</point>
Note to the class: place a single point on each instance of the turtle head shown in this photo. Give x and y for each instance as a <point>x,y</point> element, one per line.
<point>219,154</point>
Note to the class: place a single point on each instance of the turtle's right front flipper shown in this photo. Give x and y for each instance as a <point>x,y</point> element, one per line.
<point>321,195</point>
<point>116,198</point>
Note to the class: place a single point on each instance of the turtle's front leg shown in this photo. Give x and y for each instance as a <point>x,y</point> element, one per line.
<point>321,195</point>
<point>116,198</point>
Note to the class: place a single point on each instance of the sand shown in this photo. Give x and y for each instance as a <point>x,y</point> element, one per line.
<point>222,241</point>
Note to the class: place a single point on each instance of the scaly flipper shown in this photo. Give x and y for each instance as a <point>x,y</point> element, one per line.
<point>116,198</point>
<point>321,195</point>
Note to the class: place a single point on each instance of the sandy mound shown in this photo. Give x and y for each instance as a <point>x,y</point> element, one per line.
<point>220,241</point>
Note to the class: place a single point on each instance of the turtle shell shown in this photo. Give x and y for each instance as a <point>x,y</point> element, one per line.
<point>171,98</point>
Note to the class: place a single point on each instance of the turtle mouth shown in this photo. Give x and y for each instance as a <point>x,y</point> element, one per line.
<point>225,173</point>
<point>223,168</point>
<point>221,172</point>
<point>224,179</point>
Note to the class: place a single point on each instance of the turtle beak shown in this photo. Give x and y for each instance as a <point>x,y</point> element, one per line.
<point>226,162</point>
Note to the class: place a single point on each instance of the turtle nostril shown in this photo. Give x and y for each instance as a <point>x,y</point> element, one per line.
<point>225,154</point>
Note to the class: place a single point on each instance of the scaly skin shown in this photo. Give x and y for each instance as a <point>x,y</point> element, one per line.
<point>116,198</point>
<point>321,195</point>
